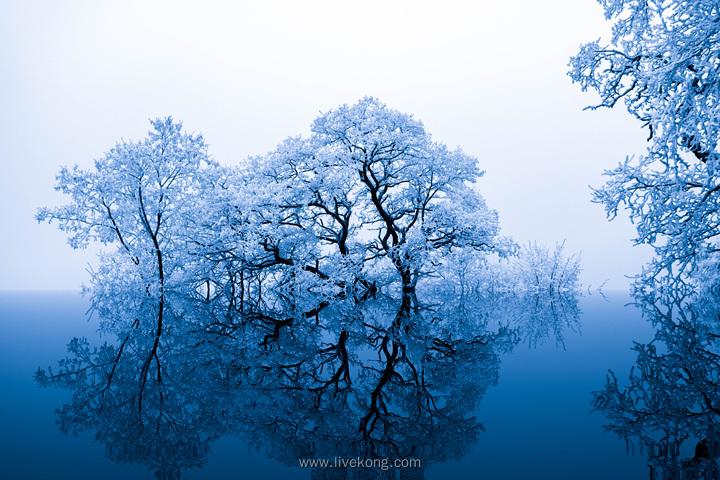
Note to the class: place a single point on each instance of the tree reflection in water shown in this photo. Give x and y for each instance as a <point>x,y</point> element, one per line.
<point>298,377</point>
<point>671,407</point>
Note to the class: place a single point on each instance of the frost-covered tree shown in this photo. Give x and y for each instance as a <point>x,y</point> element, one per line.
<point>141,196</point>
<point>368,197</point>
<point>663,62</point>
<point>368,185</point>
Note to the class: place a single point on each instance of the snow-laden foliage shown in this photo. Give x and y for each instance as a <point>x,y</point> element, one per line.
<point>369,185</point>
<point>663,62</point>
<point>532,268</point>
<point>367,200</point>
<point>141,196</point>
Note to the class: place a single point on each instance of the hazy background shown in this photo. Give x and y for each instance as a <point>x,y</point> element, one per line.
<point>489,76</point>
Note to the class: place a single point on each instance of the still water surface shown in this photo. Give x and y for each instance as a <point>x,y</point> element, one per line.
<point>536,418</point>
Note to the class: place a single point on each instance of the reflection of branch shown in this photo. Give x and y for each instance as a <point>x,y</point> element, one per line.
<point>153,354</point>
<point>377,403</point>
<point>277,325</point>
<point>117,358</point>
<point>343,371</point>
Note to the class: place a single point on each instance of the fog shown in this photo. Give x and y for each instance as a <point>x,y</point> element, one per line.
<point>489,77</point>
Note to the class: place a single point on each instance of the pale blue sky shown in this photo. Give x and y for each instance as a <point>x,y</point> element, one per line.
<point>488,76</point>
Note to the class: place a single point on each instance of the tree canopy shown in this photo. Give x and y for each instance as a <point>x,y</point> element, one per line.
<point>663,63</point>
<point>141,196</point>
<point>370,184</point>
<point>367,199</point>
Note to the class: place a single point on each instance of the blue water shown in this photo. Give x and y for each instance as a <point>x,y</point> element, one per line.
<point>536,417</point>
